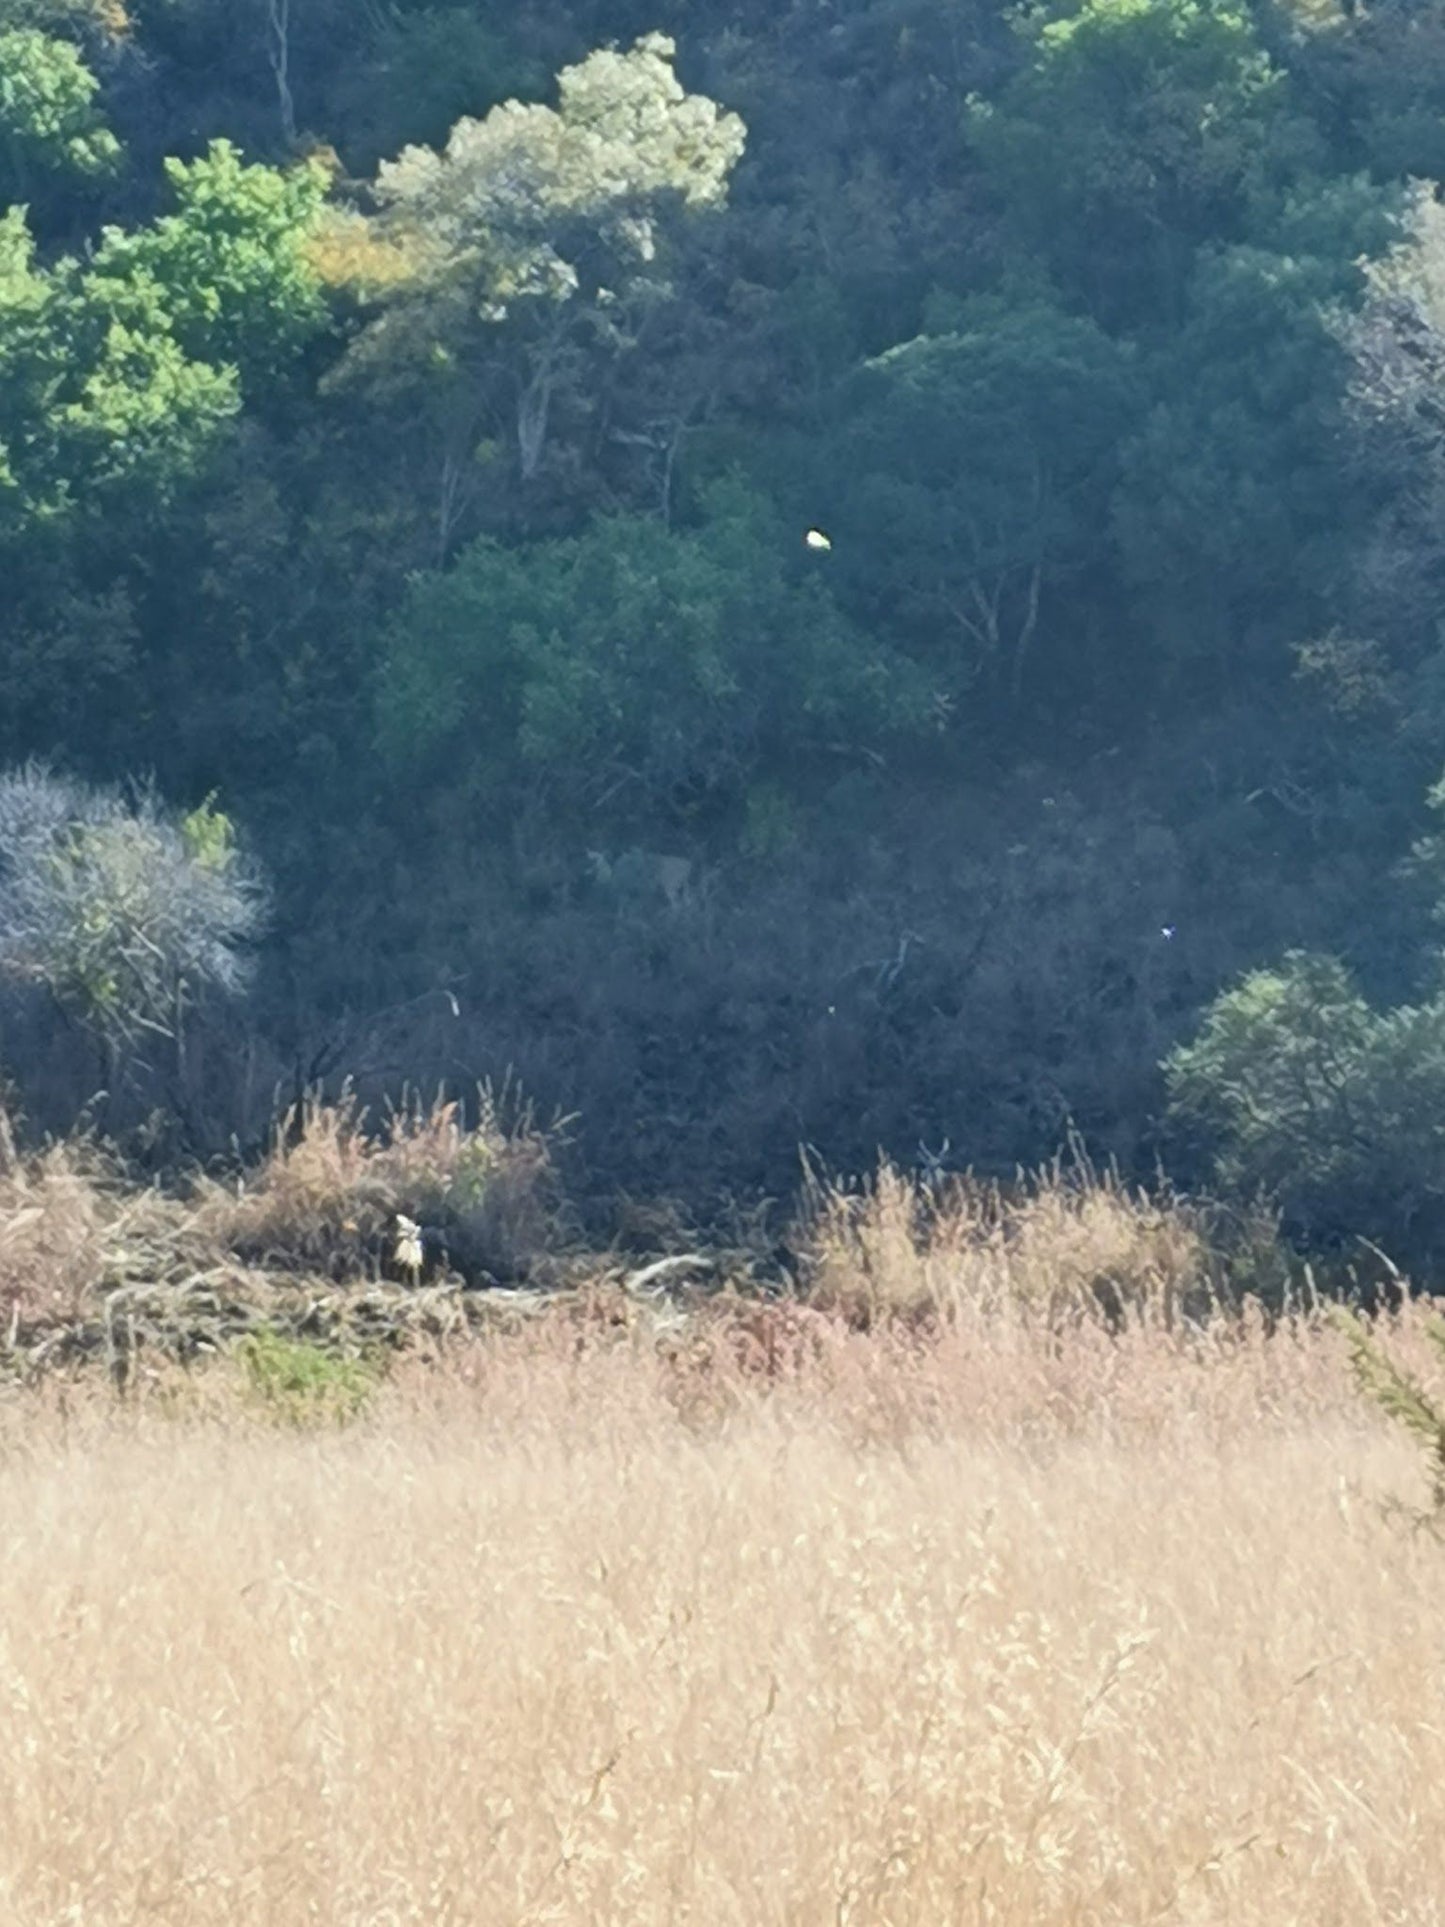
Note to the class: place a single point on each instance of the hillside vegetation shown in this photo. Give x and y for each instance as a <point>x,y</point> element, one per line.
<point>858,575</point>
<point>377,1238</point>
<point>611,610</point>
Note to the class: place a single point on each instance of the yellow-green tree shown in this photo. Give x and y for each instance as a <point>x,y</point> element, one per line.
<point>510,267</point>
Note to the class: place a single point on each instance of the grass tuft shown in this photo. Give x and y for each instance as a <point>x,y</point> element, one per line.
<point>58,1206</point>
<point>324,1198</point>
<point>1061,1246</point>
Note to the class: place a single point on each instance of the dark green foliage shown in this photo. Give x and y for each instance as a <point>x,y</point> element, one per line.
<point>1333,1107</point>
<point>425,67</point>
<point>1138,130</point>
<point>968,483</point>
<point>635,670</point>
<point>1233,492</point>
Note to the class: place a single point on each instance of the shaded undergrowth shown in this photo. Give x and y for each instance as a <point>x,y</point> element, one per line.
<point>302,1249</point>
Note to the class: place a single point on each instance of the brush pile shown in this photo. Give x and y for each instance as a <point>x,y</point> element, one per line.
<point>407,1233</point>
<point>94,1266</point>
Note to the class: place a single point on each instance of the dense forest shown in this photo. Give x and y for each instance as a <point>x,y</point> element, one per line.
<point>846,573</point>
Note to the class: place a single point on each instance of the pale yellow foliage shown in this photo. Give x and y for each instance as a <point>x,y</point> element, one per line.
<point>1413,271</point>
<point>57,1205</point>
<point>1059,1244</point>
<point>1318,16</point>
<point>896,1641</point>
<point>336,1175</point>
<point>495,204</point>
<point>348,251</point>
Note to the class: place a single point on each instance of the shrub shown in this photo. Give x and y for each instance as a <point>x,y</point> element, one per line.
<point>125,913</point>
<point>1060,1246</point>
<point>335,1178</point>
<point>636,669</point>
<point>302,1386</point>
<point>1299,1088</point>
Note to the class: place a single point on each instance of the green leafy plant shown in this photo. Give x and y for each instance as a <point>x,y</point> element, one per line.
<point>1302,1089</point>
<point>1137,129</point>
<point>635,666</point>
<point>302,1386</point>
<point>48,123</point>
<point>1400,1395</point>
<point>96,393</point>
<point>233,263</point>
<point>968,478</point>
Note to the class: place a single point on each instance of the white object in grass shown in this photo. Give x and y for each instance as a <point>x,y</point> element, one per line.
<point>408,1253</point>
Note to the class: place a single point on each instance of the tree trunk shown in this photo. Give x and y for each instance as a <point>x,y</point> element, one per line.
<point>278,54</point>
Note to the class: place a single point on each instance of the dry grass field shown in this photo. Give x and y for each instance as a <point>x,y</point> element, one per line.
<point>1010,1576</point>
<point>582,1628</point>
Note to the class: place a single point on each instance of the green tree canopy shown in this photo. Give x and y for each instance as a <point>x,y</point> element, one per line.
<point>968,478</point>
<point>518,261</point>
<point>49,128</point>
<point>233,265</point>
<point>1337,1110</point>
<point>635,668</point>
<point>95,391</point>
<point>1251,388</point>
<point>119,371</point>
<point>1137,130</point>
